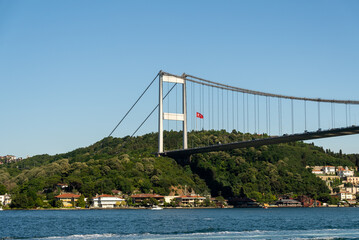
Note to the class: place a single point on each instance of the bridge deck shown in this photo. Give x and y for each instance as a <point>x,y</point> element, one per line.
<point>265,141</point>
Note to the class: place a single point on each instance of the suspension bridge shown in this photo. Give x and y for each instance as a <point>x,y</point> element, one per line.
<point>198,104</point>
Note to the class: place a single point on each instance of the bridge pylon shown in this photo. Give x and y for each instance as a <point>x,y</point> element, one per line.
<point>166,77</point>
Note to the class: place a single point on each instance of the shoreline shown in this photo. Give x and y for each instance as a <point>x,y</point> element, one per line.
<point>169,208</point>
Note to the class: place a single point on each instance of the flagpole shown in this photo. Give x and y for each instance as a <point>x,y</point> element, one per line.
<point>196,122</point>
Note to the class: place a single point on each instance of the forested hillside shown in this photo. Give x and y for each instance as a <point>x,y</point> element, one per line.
<point>129,165</point>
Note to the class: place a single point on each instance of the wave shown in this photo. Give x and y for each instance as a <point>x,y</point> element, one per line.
<point>322,234</point>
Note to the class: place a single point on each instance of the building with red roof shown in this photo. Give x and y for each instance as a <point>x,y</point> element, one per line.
<point>139,198</point>
<point>67,199</point>
<point>190,200</point>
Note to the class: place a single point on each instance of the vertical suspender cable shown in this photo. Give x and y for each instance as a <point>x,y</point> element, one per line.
<point>176,106</point>
<point>237,111</point>
<point>243,115</point>
<point>318,115</point>
<point>255,113</point>
<point>200,105</point>
<point>203,107</point>
<point>209,110</point>
<point>346,114</point>
<point>222,111</point>
<point>212,108</point>
<point>192,106</point>
<point>333,115</point>
<point>258,113</point>
<point>350,115</point>
<point>292,116</point>
<point>305,115</point>
<point>280,116</point>
<point>267,114</point>
<point>247,114</point>
<point>168,106</point>
<point>331,107</point>
<point>233,110</point>
<point>218,107</point>
<point>227,110</point>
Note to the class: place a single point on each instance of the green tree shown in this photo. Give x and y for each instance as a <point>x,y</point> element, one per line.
<point>81,202</point>
<point>59,204</point>
<point>153,201</point>
<point>3,189</point>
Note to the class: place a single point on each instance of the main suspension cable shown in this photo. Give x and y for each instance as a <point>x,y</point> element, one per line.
<point>134,104</point>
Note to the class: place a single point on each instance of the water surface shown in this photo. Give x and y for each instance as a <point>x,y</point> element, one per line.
<point>284,223</point>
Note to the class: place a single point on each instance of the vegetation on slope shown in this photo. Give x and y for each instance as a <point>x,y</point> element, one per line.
<point>128,164</point>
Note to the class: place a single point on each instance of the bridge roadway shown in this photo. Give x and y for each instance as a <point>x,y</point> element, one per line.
<point>184,154</point>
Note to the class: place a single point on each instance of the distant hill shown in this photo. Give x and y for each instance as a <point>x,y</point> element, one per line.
<point>129,165</point>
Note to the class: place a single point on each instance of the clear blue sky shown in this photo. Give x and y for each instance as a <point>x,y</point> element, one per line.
<point>69,70</point>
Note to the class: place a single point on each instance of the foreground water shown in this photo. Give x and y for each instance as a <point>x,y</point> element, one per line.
<point>300,223</point>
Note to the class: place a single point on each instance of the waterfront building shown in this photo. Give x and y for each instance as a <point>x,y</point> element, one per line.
<point>107,201</point>
<point>5,199</point>
<point>288,203</point>
<point>345,196</point>
<point>139,198</point>
<point>169,199</point>
<point>68,199</point>
<point>190,200</point>
<point>309,202</point>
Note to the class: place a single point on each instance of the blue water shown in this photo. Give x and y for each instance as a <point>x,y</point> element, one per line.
<point>300,223</point>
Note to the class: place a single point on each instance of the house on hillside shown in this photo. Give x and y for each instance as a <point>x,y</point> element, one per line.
<point>63,186</point>
<point>353,180</point>
<point>329,170</point>
<point>353,190</point>
<point>107,201</point>
<point>68,199</point>
<point>345,172</point>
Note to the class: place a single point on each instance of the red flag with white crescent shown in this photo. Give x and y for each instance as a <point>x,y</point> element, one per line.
<point>199,115</point>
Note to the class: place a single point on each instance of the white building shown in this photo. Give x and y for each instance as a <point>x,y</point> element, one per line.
<point>317,172</point>
<point>346,196</point>
<point>329,170</point>
<point>5,199</point>
<point>345,172</point>
<point>107,201</point>
<point>168,199</point>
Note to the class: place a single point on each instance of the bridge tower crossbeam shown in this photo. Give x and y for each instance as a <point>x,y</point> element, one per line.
<point>165,77</point>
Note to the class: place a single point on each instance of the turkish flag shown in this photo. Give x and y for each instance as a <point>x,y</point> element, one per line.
<point>199,115</point>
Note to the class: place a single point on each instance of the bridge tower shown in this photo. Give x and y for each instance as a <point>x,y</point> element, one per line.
<point>165,77</point>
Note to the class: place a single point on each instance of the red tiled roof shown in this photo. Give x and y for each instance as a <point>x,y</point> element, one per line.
<point>68,195</point>
<point>189,196</point>
<point>146,195</point>
<point>104,195</point>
